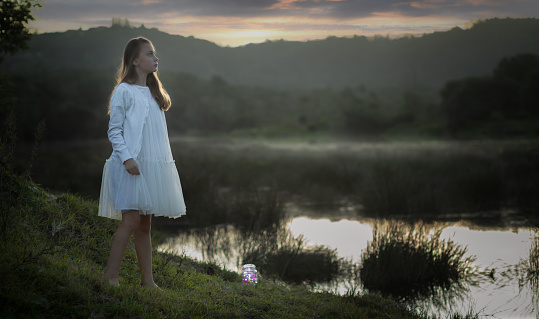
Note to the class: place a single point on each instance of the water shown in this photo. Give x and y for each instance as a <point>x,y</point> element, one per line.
<point>500,291</point>
<point>498,250</point>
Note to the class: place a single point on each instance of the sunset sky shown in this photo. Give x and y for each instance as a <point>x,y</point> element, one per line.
<point>238,22</point>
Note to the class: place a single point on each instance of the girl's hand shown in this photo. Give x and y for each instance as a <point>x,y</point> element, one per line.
<point>131,167</point>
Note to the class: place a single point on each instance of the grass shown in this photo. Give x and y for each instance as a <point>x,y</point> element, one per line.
<point>279,255</point>
<point>54,248</point>
<point>411,261</point>
<point>432,184</point>
<point>528,270</point>
<point>533,261</point>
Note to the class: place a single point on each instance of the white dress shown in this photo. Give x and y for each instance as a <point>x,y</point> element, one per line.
<point>157,190</point>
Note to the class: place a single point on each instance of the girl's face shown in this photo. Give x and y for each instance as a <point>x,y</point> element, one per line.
<point>147,61</point>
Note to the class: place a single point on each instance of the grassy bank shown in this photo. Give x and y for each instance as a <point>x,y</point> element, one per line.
<point>54,248</point>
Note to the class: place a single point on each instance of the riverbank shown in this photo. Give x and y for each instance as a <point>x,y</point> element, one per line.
<point>54,249</point>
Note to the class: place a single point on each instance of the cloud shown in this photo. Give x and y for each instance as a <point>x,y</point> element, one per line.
<point>145,9</point>
<point>328,9</point>
<point>349,9</point>
<point>289,17</point>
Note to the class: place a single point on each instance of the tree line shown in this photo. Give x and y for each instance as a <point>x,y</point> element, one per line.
<point>335,62</point>
<point>501,105</point>
<point>74,104</point>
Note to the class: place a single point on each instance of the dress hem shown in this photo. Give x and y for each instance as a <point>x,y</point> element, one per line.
<point>118,215</point>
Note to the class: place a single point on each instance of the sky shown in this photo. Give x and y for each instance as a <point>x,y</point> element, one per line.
<point>239,22</point>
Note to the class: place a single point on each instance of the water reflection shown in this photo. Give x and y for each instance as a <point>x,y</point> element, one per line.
<point>500,254</point>
<point>275,251</point>
<point>349,237</point>
<point>505,284</point>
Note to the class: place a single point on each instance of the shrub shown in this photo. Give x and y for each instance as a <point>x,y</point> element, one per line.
<point>287,258</point>
<point>411,260</point>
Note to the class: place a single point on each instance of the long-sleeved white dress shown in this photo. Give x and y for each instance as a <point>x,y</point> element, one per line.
<point>157,190</point>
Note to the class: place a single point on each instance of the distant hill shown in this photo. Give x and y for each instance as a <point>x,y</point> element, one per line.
<point>380,61</point>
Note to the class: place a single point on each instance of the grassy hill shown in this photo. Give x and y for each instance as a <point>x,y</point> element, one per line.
<point>336,62</point>
<point>54,248</point>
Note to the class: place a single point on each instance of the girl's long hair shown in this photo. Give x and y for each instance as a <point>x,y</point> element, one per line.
<point>128,74</point>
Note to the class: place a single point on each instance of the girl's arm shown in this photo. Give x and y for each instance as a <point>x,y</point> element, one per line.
<point>116,123</point>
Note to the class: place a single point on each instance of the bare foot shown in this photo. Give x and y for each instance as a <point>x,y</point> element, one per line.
<point>150,285</point>
<point>112,281</point>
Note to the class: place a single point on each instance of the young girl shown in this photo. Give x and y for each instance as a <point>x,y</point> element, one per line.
<point>140,178</point>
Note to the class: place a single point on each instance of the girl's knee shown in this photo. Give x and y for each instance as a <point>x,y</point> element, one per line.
<point>131,219</point>
<point>145,224</point>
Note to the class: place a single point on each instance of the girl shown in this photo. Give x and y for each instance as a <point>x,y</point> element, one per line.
<point>140,178</point>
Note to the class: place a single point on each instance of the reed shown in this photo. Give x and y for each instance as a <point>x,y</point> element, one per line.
<point>412,261</point>
<point>432,184</point>
<point>531,269</point>
<point>534,262</point>
<point>290,259</point>
<point>521,172</point>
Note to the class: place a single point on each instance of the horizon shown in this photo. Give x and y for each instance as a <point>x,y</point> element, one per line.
<point>122,23</point>
<point>235,23</point>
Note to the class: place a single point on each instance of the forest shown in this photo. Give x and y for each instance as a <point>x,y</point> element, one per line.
<point>476,83</point>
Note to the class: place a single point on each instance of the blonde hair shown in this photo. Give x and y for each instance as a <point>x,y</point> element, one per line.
<point>128,74</point>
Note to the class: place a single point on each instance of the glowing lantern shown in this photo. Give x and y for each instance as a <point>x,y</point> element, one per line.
<point>249,274</point>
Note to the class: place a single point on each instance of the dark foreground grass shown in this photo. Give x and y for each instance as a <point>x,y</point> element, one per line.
<point>54,248</point>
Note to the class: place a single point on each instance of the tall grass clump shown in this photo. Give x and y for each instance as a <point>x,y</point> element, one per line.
<point>9,182</point>
<point>226,187</point>
<point>412,261</point>
<point>521,173</point>
<point>8,138</point>
<point>528,269</point>
<point>279,255</point>
<point>430,184</point>
<point>255,209</point>
<point>533,270</point>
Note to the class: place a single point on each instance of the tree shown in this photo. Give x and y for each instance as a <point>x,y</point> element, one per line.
<point>122,23</point>
<point>14,17</point>
<point>499,105</point>
<point>14,35</point>
<point>523,72</point>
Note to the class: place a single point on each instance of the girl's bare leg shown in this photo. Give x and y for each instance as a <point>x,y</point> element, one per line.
<point>130,222</point>
<point>143,247</point>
